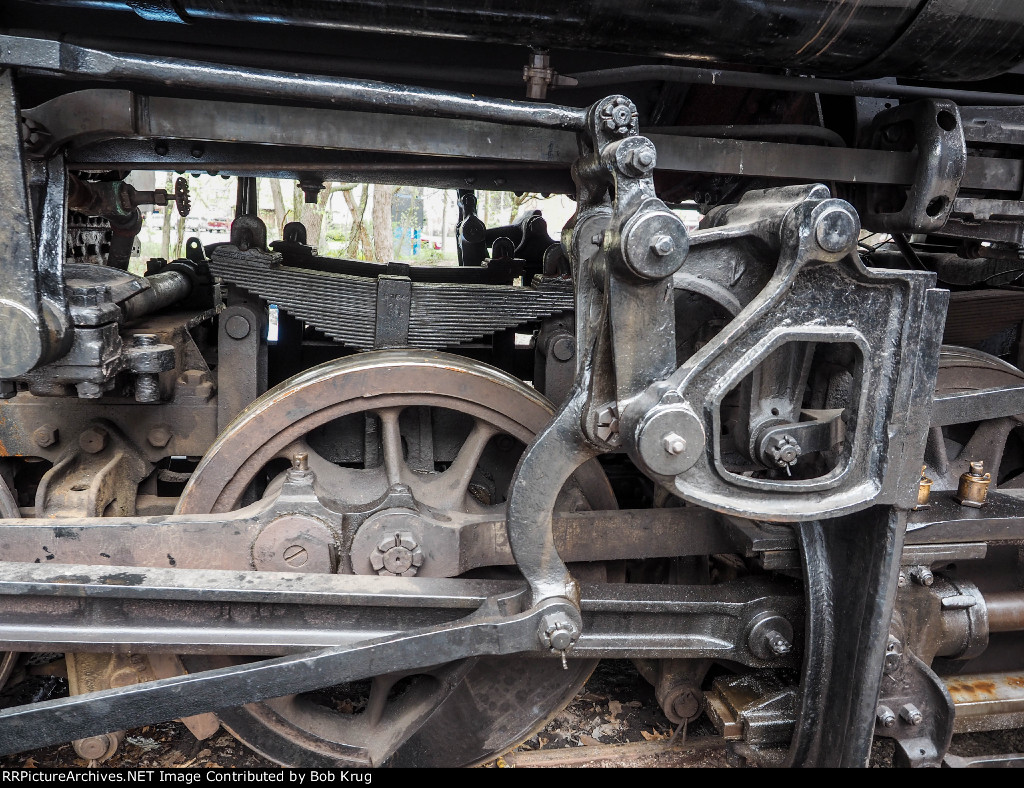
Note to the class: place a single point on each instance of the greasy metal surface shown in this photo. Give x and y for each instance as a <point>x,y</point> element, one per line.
<point>947,521</point>
<point>495,628</point>
<point>139,610</point>
<point>889,390</point>
<point>1005,611</point>
<point>242,353</point>
<point>924,726</point>
<point>36,323</point>
<point>935,130</point>
<point>225,541</point>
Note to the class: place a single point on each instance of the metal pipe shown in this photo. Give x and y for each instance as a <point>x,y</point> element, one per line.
<point>1005,611</point>
<point>41,55</point>
<point>746,79</point>
<point>164,289</point>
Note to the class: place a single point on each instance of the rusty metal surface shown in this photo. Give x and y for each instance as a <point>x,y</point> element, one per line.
<point>987,701</point>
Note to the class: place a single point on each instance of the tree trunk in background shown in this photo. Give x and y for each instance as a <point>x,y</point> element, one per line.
<point>518,201</point>
<point>279,212</point>
<point>444,220</point>
<point>179,236</point>
<point>165,232</point>
<point>358,236</point>
<point>383,244</point>
<point>312,215</point>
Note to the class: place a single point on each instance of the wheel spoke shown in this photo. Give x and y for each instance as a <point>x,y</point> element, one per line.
<point>391,442</point>
<point>450,489</point>
<point>987,444</point>
<point>377,702</point>
<point>455,713</point>
<point>334,482</point>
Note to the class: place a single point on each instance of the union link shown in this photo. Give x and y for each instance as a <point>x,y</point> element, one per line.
<point>631,394</point>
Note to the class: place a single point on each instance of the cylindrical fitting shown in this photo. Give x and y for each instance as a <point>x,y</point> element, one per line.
<point>924,489</point>
<point>165,288</point>
<point>1005,611</point>
<point>974,486</point>
<point>147,387</point>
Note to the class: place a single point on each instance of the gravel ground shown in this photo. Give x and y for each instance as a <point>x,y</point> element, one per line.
<point>614,717</point>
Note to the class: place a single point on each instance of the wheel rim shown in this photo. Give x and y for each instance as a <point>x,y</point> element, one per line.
<point>456,714</point>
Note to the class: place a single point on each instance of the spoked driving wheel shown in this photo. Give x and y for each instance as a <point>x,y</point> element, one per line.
<point>998,443</point>
<point>441,435</point>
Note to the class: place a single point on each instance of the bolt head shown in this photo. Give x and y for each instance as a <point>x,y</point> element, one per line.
<point>885,717</point>
<point>563,348</point>
<point>237,327</point>
<point>93,440</point>
<point>397,554</point>
<point>911,714</point>
<point>93,748</point>
<point>783,450</point>
<point>46,435</point>
<point>778,644</point>
<point>557,631</point>
<point>674,444</point>
<point>606,425</point>
<point>687,704</point>
<point>663,245</point>
<point>295,555</point>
